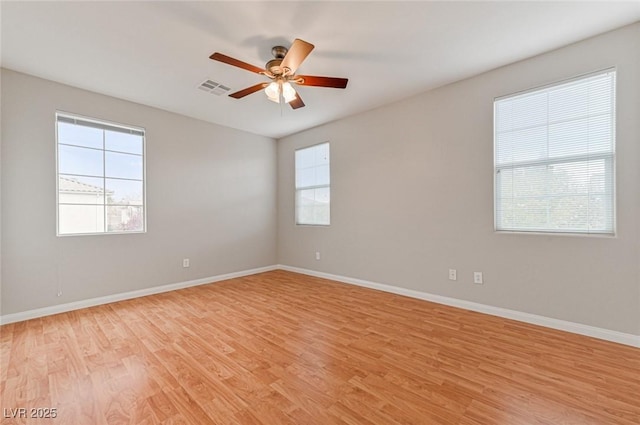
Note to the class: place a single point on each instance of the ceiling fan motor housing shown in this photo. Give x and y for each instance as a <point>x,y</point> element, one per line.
<point>273,66</point>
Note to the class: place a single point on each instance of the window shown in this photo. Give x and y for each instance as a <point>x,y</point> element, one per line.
<point>555,157</point>
<point>100,177</point>
<point>313,191</point>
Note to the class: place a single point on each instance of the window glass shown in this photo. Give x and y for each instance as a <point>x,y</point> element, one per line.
<point>313,191</point>
<point>555,157</point>
<point>100,177</point>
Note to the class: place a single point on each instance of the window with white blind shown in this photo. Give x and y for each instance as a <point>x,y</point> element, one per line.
<point>313,191</point>
<point>100,177</point>
<point>555,157</point>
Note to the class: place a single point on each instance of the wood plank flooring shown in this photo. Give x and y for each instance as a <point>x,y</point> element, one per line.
<point>283,348</point>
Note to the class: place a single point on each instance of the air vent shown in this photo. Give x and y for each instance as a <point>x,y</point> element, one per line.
<point>214,88</point>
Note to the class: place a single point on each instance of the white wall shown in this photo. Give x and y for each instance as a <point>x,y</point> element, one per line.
<point>412,196</point>
<point>211,195</point>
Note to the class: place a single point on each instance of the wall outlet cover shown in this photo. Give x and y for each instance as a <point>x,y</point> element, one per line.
<point>477,278</point>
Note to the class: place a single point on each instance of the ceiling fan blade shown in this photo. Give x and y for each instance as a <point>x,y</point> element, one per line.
<point>298,52</point>
<point>297,102</point>
<point>310,80</point>
<point>249,90</point>
<point>235,62</point>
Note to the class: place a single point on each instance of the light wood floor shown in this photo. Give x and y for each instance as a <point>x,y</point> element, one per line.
<point>283,348</point>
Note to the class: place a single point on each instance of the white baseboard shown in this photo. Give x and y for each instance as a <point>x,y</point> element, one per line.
<point>563,325</point>
<point>62,308</point>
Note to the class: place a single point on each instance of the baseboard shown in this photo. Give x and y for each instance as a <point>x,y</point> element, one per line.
<point>62,308</point>
<point>563,325</point>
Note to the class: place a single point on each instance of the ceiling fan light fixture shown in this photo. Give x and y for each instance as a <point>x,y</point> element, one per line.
<point>288,92</point>
<point>273,92</point>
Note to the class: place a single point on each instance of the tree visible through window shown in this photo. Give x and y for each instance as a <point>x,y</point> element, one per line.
<point>555,157</point>
<point>100,169</point>
<point>313,191</point>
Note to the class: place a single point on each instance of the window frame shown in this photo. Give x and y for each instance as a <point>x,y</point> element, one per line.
<point>105,125</point>
<point>608,157</point>
<point>297,189</point>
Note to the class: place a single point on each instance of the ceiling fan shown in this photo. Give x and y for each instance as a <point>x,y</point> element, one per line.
<point>282,72</point>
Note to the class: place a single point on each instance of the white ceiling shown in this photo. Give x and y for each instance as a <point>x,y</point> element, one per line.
<point>157,53</point>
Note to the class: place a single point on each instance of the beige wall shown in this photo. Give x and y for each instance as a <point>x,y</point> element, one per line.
<point>211,195</point>
<point>412,196</point>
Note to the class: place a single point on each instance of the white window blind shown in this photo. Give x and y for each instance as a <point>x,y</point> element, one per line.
<point>100,177</point>
<point>313,191</point>
<point>555,157</point>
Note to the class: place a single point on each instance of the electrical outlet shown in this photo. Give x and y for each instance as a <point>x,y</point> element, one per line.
<point>453,275</point>
<point>317,255</point>
<point>477,278</point>
<point>185,262</point>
